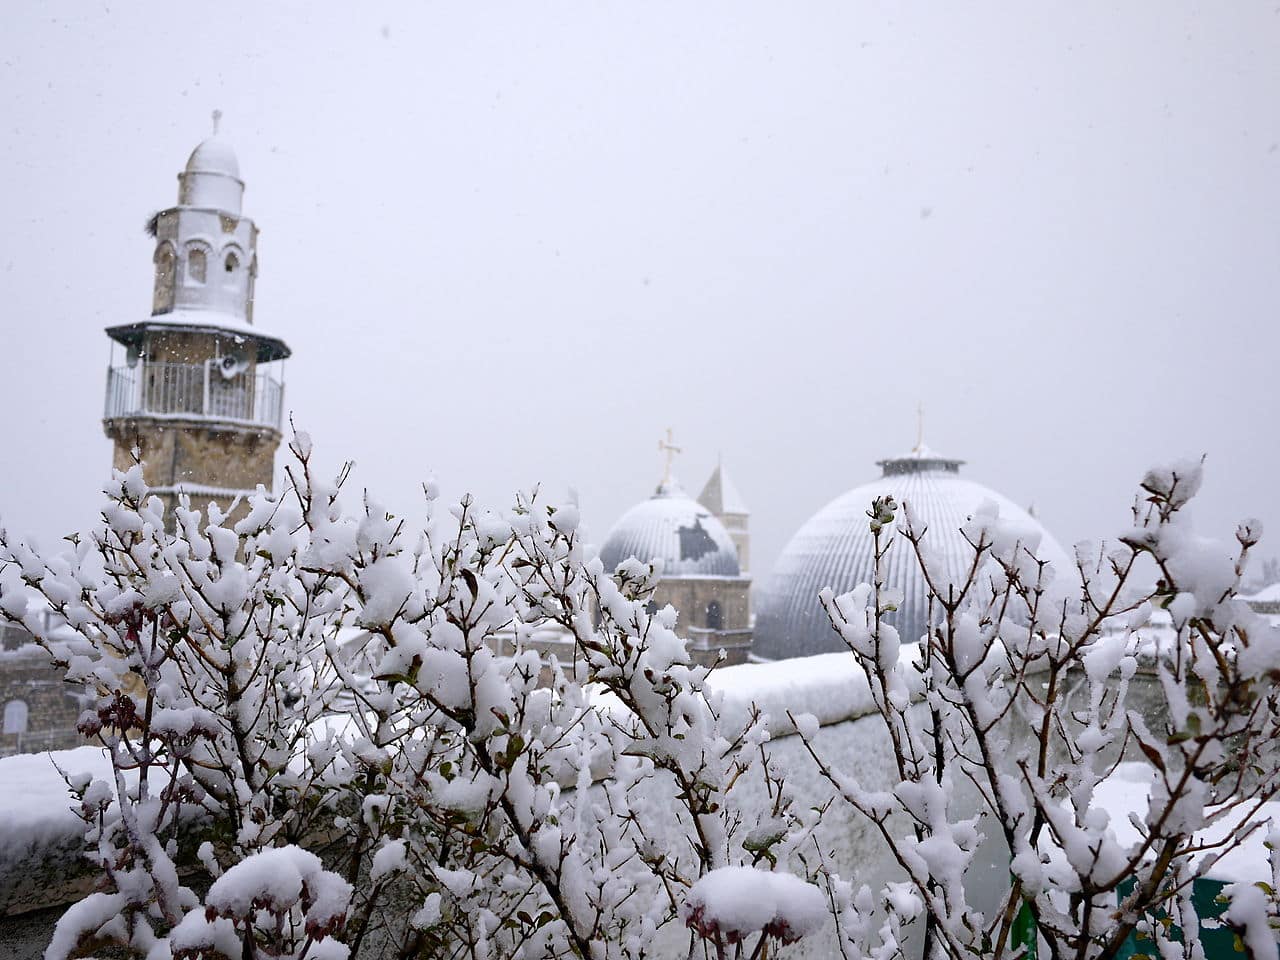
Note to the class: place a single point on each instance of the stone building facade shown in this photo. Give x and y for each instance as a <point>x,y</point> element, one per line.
<point>38,708</point>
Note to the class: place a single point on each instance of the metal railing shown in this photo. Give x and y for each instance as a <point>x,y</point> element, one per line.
<point>193,390</point>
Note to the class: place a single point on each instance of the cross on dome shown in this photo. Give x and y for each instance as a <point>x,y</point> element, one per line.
<point>669,448</point>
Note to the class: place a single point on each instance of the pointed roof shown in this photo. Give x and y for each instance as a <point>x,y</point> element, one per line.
<point>720,496</point>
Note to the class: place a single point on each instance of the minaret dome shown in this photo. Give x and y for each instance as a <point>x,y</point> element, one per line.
<point>211,180</point>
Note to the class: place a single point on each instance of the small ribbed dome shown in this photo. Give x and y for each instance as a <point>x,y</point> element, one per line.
<point>675,529</point>
<point>835,549</point>
<point>214,156</point>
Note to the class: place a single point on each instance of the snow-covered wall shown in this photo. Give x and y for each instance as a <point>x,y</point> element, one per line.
<point>41,863</point>
<point>41,838</point>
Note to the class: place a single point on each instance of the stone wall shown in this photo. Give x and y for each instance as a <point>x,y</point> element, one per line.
<point>693,597</point>
<point>195,453</point>
<point>52,705</point>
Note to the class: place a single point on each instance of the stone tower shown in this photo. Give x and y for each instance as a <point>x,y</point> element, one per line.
<point>721,497</point>
<point>196,387</point>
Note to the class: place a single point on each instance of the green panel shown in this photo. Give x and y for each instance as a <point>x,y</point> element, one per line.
<point>1219,942</point>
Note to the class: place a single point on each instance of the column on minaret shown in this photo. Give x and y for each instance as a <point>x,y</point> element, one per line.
<point>197,387</point>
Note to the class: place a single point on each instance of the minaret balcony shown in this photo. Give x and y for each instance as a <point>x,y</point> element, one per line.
<point>213,391</point>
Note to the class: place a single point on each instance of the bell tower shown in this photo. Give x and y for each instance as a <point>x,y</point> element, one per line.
<point>196,386</point>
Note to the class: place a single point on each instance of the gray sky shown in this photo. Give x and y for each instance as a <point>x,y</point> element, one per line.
<point>511,243</point>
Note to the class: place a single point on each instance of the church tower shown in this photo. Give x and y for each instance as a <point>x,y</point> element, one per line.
<point>197,387</point>
<point>721,497</point>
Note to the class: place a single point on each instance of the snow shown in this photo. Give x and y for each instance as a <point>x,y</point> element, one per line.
<point>35,804</point>
<point>278,879</point>
<point>390,858</point>
<point>196,490</point>
<point>1128,791</point>
<point>216,321</point>
<point>1268,594</point>
<point>740,901</point>
<point>831,687</point>
<point>806,725</point>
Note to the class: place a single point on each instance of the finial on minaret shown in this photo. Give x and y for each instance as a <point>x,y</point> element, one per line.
<point>217,118</point>
<point>919,427</point>
<point>668,447</point>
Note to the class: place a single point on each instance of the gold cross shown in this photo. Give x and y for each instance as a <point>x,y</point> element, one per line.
<point>668,447</point>
<point>919,426</point>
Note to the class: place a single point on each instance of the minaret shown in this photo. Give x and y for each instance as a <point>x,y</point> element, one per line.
<point>721,497</point>
<point>199,389</point>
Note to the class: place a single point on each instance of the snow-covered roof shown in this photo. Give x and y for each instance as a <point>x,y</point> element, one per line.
<point>214,156</point>
<point>206,321</point>
<point>835,549</point>
<point>1268,594</point>
<point>720,496</point>
<point>680,532</point>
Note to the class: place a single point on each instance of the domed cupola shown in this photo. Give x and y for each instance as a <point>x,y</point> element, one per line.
<point>835,549</point>
<point>211,180</point>
<point>700,574</point>
<point>675,529</point>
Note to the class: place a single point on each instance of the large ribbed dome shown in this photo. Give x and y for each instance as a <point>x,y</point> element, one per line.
<point>835,549</point>
<point>679,531</point>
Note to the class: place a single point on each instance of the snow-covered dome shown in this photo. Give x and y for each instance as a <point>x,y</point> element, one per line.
<point>211,180</point>
<point>673,528</point>
<point>835,549</point>
<point>214,156</point>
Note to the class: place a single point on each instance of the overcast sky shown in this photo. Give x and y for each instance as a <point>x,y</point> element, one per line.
<point>511,243</point>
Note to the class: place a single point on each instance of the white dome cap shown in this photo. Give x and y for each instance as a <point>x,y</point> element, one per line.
<point>835,549</point>
<point>211,180</point>
<point>677,530</point>
<point>214,156</point>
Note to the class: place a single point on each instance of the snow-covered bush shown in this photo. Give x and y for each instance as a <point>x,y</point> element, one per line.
<point>317,753</point>
<point>1018,707</point>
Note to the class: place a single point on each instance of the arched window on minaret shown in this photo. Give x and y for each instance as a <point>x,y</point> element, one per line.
<point>166,263</point>
<point>232,263</point>
<point>197,265</point>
